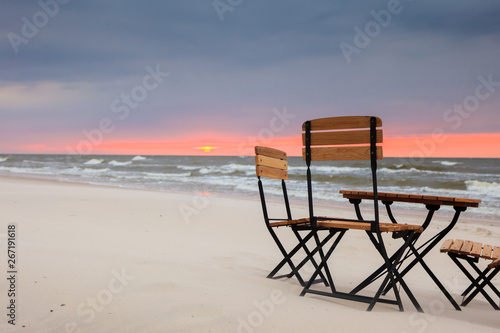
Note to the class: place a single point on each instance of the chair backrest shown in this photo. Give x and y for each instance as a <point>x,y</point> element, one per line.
<point>272,163</point>
<point>343,139</point>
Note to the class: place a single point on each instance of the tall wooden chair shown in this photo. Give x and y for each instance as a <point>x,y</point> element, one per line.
<point>272,164</point>
<point>355,138</point>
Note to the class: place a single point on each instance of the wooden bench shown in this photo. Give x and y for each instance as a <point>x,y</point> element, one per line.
<point>471,252</point>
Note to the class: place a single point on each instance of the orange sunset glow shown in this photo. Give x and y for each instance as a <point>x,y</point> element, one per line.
<point>479,145</point>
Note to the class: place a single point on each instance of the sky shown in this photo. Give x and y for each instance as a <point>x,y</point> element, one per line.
<point>169,77</point>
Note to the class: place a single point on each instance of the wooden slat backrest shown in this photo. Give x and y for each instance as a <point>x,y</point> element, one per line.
<point>341,138</point>
<point>342,153</point>
<point>271,163</point>
<point>271,152</point>
<point>263,171</point>
<point>336,123</point>
<point>343,132</point>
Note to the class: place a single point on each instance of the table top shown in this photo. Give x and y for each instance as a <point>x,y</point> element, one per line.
<point>413,198</point>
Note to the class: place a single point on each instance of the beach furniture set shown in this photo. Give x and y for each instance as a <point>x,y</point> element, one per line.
<point>358,138</point>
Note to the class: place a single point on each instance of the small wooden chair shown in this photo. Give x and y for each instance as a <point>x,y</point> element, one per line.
<point>471,252</point>
<point>272,163</point>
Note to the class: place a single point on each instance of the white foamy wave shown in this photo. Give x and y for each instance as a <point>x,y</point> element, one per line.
<point>204,171</point>
<point>227,169</point>
<point>139,158</point>
<point>116,163</point>
<point>39,171</point>
<point>3,159</point>
<point>165,176</point>
<point>95,171</point>
<point>237,167</point>
<point>298,170</point>
<point>447,163</point>
<point>333,169</point>
<point>411,170</point>
<point>187,167</point>
<point>94,161</point>
<point>486,188</point>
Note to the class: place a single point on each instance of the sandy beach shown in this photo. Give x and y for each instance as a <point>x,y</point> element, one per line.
<point>102,259</point>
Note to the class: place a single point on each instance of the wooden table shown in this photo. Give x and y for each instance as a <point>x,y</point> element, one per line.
<point>432,204</point>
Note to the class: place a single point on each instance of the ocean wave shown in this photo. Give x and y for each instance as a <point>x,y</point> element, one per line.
<point>165,176</point>
<point>335,169</point>
<point>188,167</point>
<point>411,170</point>
<point>116,163</point>
<point>447,163</point>
<point>486,188</point>
<point>35,171</point>
<point>94,161</point>
<point>95,171</point>
<point>227,169</point>
<point>139,158</point>
<point>3,159</point>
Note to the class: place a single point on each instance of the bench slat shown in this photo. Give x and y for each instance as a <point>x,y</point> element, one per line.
<point>446,245</point>
<point>271,162</point>
<point>496,252</point>
<point>477,248</point>
<point>271,152</point>
<point>466,247</point>
<point>486,251</point>
<point>457,245</point>
<point>263,171</point>
<point>384,227</point>
<point>289,222</point>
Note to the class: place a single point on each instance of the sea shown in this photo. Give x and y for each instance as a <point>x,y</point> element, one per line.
<point>234,176</point>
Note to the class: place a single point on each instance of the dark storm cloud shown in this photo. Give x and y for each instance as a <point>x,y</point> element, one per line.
<point>239,64</point>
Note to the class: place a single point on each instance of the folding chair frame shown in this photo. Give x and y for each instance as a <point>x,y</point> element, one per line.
<point>302,241</point>
<point>482,278</point>
<point>392,275</point>
<point>418,253</point>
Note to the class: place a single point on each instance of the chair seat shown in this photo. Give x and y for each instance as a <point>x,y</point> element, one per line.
<point>470,248</point>
<point>471,252</point>
<point>305,221</point>
<point>384,227</point>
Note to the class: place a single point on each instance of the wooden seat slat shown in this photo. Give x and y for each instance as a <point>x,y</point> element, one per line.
<point>487,251</point>
<point>384,227</point>
<point>457,245</point>
<point>496,252</point>
<point>477,248</point>
<point>466,247</point>
<point>478,201</point>
<point>446,245</point>
<point>289,222</point>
